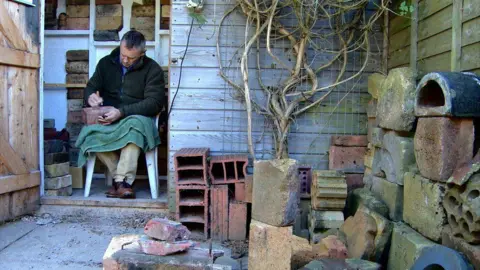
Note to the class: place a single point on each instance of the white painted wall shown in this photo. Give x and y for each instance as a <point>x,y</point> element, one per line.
<point>55,106</point>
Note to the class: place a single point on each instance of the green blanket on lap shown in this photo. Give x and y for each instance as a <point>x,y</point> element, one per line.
<point>136,129</point>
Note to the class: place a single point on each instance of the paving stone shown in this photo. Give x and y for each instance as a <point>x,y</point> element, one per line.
<point>78,11</point>
<point>166,230</point>
<point>349,140</point>
<point>325,219</point>
<point>470,251</point>
<point>276,185</point>
<point>58,182</point>
<point>442,144</point>
<point>376,84</point>
<point>397,157</point>
<point>330,264</point>
<point>347,159</point>
<point>423,206</point>
<point>53,158</point>
<point>77,78</point>
<point>365,197</point>
<point>263,237</point>
<point>360,231</point>
<point>391,194</point>
<point>65,191</point>
<point>77,55</point>
<point>56,170</point>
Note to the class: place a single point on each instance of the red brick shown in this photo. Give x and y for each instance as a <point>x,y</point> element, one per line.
<point>305,177</point>
<point>442,144</point>
<point>90,115</point>
<point>349,140</point>
<point>162,248</point>
<point>192,209</point>
<point>348,159</point>
<point>191,166</point>
<point>75,117</point>
<point>240,192</point>
<point>166,230</point>
<point>237,221</point>
<point>248,188</point>
<point>228,169</point>
<point>77,67</point>
<point>78,23</point>
<point>219,216</point>
<point>77,78</point>
<point>77,55</point>
<point>354,181</point>
<point>75,93</point>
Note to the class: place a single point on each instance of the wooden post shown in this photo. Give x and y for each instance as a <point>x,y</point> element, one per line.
<point>414,39</point>
<point>456,35</point>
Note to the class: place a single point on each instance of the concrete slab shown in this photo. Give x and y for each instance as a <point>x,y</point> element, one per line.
<point>11,232</point>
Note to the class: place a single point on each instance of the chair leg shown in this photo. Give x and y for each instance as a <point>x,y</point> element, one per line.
<point>90,166</point>
<point>152,171</point>
<point>108,178</point>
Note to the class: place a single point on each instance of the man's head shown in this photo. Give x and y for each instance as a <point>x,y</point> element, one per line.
<point>132,47</point>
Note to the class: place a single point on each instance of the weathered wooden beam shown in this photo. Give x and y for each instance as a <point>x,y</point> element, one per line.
<point>10,30</point>
<point>414,39</point>
<point>10,158</point>
<point>11,183</point>
<point>17,58</point>
<point>456,35</point>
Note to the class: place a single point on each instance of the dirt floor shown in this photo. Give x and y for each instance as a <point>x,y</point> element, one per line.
<point>72,242</point>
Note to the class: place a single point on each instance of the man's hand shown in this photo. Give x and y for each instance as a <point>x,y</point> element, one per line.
<point>94,100</point>
<point>110,117</point>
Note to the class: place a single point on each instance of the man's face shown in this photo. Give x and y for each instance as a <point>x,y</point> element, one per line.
<point>129,56</point>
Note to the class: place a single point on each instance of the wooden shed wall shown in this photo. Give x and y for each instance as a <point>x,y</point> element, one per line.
<point>447,35</point>
<point>19,63</point>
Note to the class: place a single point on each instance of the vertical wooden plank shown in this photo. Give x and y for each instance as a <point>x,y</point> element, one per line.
<point>414,38</point>
<point>456,35</point>
<point>4,104</point>
<point>31,110</point>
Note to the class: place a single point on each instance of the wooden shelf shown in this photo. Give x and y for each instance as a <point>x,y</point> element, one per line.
<point>60,33</point>
<point>61,86</point>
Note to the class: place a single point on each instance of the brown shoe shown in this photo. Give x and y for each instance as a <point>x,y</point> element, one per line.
<point>125,191</point>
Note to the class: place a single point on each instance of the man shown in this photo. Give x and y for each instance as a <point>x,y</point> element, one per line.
<point>133,84</point>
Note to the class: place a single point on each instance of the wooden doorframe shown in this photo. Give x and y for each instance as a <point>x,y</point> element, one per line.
<point>41,161</point>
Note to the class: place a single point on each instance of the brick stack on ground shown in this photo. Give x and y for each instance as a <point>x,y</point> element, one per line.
<point>229,198</point>
<point>108,20</point>
<point>192,189</point>
<point>58,181</point>
<point>78,14</point>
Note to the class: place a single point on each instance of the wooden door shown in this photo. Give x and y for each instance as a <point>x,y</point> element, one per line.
<point>19,103</point>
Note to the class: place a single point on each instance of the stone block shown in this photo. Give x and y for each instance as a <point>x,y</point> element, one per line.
<point>462,205</point>
<point>354,181</point>
<point>397,156</point>
<point>237,221</point>
<point>377,137</point>
<point>5,214</point>
<point>367,178</point>
<point>77,78</point>
<point>143,11</point>
<point>142,23</point>
<point>365,197</point>
<point>165,11</point>
<point>219,212</point>
<point>58,182</point>
<point>329,190</point>
<point>377,84</point>
<point>330,247</point>
<point>109,23</point>
<point>248,188</point>
<point>77,55</point>
<point>78,23</point>
<point>470,251</point>
<point>395,108</point>
<point>360,231</point>
<point>423,206</point>
<point>330,264</point>
<point>65,191</point>
<point>162,248</point>
<point>276,185</point>
<point>24,201</point>
<point>325,219</point>
<point>53,146</point>
<point>302,252</point>
<point>383,234</point>
<point>448,94</point>
<point>74,105</point>
<point>109,11</point>
<point>239,192</point>
<point>328,204</point>
<point>301,225</point>
<point>78,11</point>
<point>347,159</point>
<point>149,34</point>
<point>77,67</point>
<point>372,108</point>
<point>166,230</point>
<point>349,140</point>
<point>442,144</point>
<point>106,35</point>
<point>75,93</point>
<point>77,177</point>
<point>391,194</point>
<point>54,158</point>
<point>263,237</point>
<point>56,170</point>
<point>371,124</point>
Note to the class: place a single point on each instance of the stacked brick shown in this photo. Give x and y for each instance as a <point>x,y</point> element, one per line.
<point>50,14</point>
<point>143,20</point>
<point>78,15</point>
<point>229,197</point>
<point>108,20</point>
<point>165,15</point>
<point>191,170</point>
<point>328,194</point>
<point>58,181</point>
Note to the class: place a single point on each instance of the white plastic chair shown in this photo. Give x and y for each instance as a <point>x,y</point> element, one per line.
<point>151,158</point>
